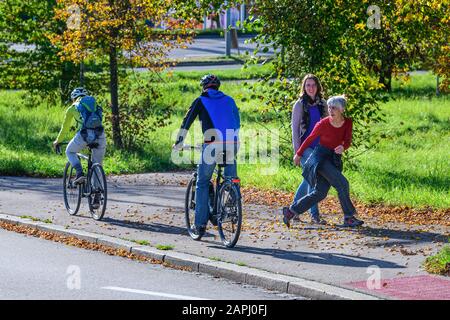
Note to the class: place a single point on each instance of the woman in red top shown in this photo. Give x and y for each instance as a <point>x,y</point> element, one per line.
<point>323,168</point>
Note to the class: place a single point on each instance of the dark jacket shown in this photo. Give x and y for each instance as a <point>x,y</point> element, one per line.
<point>300,118</point>
<point>319,155</point>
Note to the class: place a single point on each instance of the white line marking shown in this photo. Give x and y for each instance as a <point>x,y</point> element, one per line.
<point>153,293</point>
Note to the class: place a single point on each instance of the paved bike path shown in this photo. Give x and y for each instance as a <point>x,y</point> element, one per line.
<point>150,207</point>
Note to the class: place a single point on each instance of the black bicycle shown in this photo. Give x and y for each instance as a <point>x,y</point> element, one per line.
<point>94,188</point>
<point>225,207</point>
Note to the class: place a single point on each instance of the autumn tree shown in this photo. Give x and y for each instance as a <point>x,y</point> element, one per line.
<point>353,47</point>
<point>127,32</point>
<point>407,32</point>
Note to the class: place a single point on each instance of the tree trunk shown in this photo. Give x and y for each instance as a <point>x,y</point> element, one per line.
<point>68,74</point>
<point>386,78</point>
<point>387,64</point>
<point>114,88</point>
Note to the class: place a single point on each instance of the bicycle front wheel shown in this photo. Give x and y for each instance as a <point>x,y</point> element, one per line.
<point>99,192</point>
<point>229,218</point>
<point>71,191</point>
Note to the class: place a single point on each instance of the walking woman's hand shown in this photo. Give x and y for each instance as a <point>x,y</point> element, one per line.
<point>296,160</point>
<point>339,149</point>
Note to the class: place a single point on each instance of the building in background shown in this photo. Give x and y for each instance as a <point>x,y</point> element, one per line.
<point>238,14</point>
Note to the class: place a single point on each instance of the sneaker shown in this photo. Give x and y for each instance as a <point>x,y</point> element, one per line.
<point>318,220</point>
<point>79,179</point>
<point>96,201</point>
<point>199,230</point>
<point>352,222</point>
<point>287,216</point>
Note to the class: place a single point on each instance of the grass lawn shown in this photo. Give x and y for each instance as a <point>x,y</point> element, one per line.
<point>439,263</point>
<point>409,167</point>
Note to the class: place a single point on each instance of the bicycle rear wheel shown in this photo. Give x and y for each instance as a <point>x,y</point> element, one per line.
<point>189,208</point>
<point>99,191</point>
<point>72,192</point>
<point>229,218</point>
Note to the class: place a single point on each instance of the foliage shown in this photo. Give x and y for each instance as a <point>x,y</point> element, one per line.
<point>38,68</point>
<point>428,23</point>
<point>125,31</point>
<point>140,112</point>
<point>410,31</point>
<point>321,41</point>
<point>332,39</point>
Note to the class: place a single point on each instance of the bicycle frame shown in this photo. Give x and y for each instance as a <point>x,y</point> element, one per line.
<point>86,188</point>
<point>218,184</point>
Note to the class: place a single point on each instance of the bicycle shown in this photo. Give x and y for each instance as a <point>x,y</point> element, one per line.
<point>225,207</point>
<point>94,185</point>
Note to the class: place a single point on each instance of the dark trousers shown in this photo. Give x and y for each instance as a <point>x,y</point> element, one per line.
<point>328,175</point>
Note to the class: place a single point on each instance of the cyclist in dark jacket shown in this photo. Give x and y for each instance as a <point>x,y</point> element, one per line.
<point>220,120</point>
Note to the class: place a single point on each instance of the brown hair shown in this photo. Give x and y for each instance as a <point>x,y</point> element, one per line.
<point>318,84</point>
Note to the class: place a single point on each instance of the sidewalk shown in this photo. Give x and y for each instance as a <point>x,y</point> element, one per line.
<point>151,207</point>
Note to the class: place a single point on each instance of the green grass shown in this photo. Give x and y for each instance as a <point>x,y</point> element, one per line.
<point>215,259</point>
<point>409,167</point>
<point>439,263</point>
<point>165,247</point>
<point>36,219</point>
<point>142,242</point>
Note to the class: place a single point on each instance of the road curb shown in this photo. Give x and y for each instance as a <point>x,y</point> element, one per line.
<point>242,274</point>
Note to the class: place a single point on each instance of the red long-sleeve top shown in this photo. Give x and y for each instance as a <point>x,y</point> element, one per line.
<point>330,137</point>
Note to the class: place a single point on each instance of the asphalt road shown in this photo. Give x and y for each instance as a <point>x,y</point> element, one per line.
<point>33,268</point>
<point>201,47</point>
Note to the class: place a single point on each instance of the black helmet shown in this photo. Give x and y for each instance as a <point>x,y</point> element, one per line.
<point>209,81</point>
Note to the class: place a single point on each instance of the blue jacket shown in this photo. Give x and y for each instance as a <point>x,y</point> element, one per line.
<point>319,155</point>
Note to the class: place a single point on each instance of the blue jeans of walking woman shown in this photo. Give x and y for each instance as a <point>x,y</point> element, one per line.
<point>304,188</point>
<point>327,175</point>
<point>204,173</point>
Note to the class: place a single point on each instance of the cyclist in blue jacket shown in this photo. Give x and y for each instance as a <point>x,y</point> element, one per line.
<point>220,121</point>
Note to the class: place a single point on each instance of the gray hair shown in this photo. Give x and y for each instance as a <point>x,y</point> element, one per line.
<point>337,101</point>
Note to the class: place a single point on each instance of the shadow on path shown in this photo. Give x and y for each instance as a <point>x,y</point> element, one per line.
<point>336,259</point>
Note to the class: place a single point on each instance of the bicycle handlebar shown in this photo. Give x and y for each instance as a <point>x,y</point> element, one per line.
<point>58,147</point>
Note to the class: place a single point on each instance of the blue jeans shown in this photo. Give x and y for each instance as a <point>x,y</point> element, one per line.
<point>304,188</point>
<point>204,173</point>
<point>328,175</point>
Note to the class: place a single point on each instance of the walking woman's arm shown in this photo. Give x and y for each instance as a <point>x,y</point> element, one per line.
<point>314,134</point>
<point>296,121</point>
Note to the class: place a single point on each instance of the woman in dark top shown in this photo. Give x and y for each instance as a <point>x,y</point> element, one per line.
<point>306,113</point>
<point>323,168</point>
